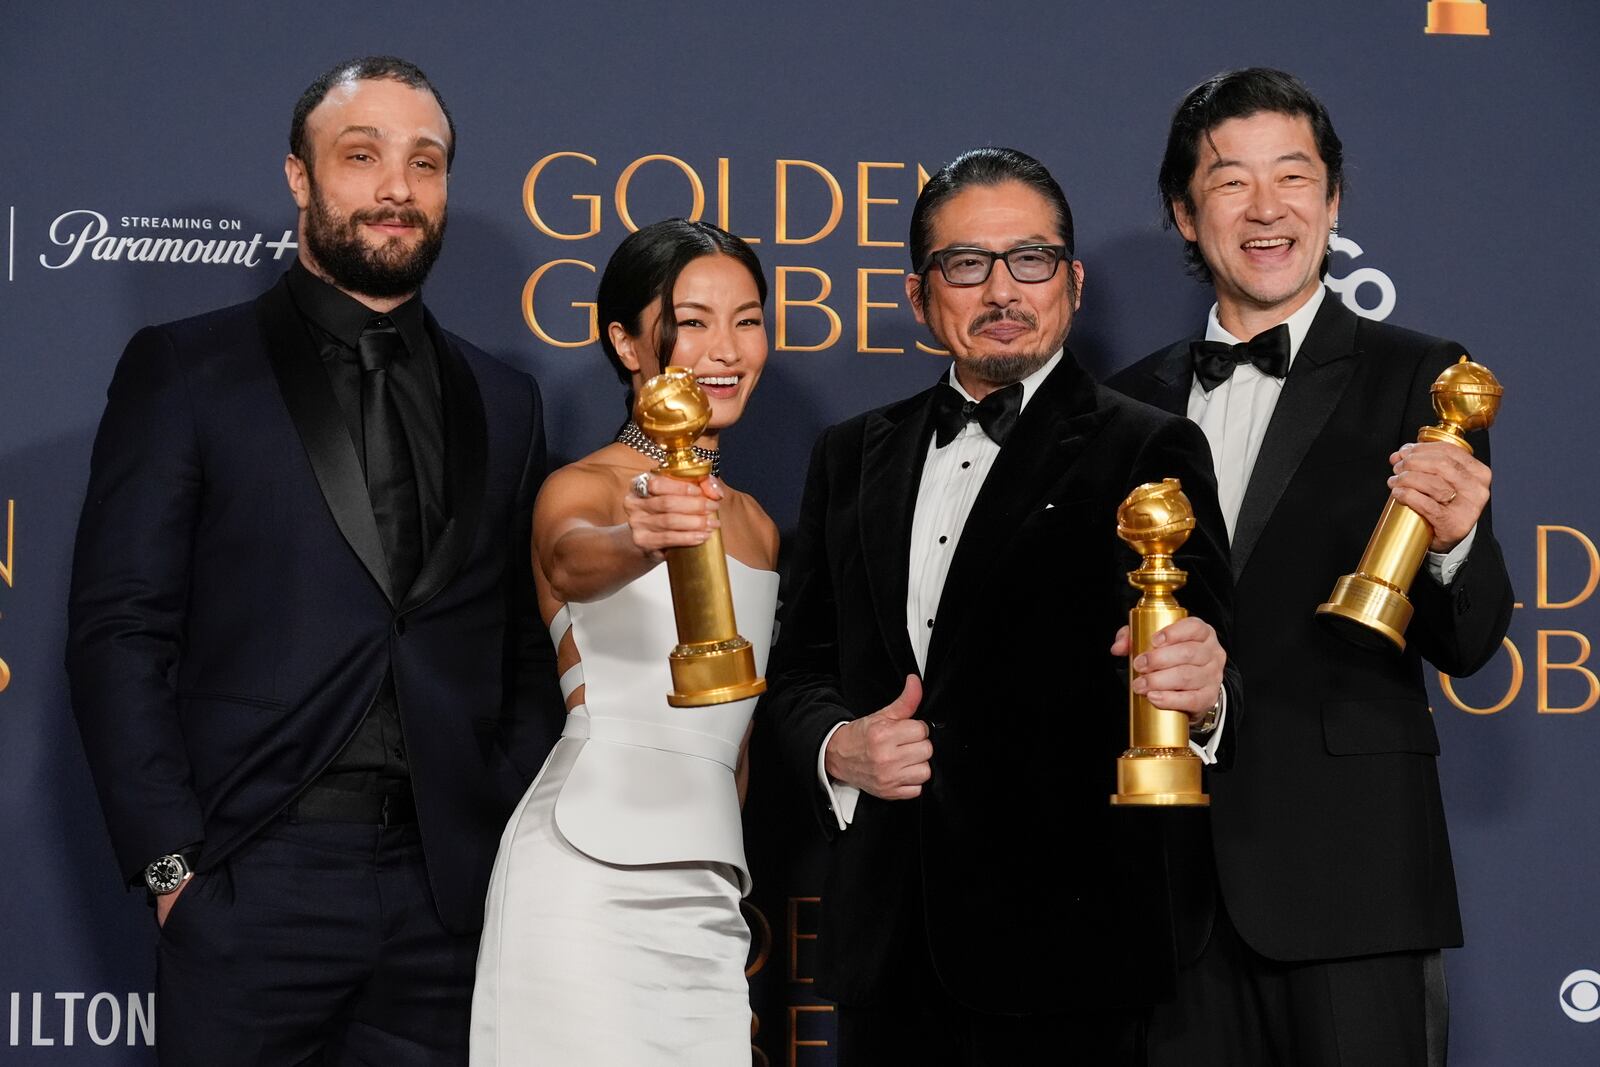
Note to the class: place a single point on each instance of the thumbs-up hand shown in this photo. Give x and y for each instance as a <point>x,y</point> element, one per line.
<point>885,753</point>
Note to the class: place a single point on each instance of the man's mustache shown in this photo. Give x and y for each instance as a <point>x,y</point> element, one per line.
<point>407,216</point>
<point>989,318</point>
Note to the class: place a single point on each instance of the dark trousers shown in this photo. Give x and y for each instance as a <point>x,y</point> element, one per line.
<point>922,1025</point>
<point>1236,1008</point>
<point>315,943</point>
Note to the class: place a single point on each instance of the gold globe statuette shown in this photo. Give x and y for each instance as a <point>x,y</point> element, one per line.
<point>711,664</point>
<point>1370,606</point>
<point>1159,768</point>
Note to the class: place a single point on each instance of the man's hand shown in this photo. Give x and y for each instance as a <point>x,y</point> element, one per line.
<point>1444,484</point>
<point>164,903</point>
<point>885,753</point>
<point>1182,671</point>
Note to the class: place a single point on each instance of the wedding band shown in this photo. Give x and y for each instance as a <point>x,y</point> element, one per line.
<point>641,486</point>
<point>1452,499</point>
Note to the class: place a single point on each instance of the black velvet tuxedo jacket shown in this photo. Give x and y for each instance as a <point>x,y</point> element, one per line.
<point>1004,869</point>
<point>230,619</point>
<point>1329,832</point>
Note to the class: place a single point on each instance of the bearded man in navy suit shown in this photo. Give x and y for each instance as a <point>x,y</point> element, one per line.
<point>304,656</point>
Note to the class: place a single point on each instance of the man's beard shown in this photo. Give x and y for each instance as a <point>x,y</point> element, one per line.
<point>1003,370</point>
<point>390,269</point>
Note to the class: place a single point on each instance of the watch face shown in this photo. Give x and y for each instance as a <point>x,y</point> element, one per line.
<point>165,874</point>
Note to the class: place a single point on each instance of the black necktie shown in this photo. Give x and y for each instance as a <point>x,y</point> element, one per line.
<point>996,414</point>
<point>1214,361</point>
<point>391,479</point>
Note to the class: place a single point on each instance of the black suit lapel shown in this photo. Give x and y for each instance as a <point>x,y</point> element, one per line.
<point>1171,379</point>
<point>1316,381</point>
<point>1049,436</point>
<point>320,423</point>
<point>894,448</point>
<point>465,459</point>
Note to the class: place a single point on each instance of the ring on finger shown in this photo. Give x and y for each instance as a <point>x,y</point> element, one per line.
<point>641,485</point>
<point>1451,499</point>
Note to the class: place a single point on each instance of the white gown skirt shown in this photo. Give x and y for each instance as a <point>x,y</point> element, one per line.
<point>593,964</point>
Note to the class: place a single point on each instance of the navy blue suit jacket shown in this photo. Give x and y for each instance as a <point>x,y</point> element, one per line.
<point>230,617</point>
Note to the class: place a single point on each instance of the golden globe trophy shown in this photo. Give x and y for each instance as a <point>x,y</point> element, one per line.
<point>1159,768</point>
<point>711,664</point>
<point>1370,607</point>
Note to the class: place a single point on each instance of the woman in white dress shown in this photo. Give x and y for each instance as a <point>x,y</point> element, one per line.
<point>612,935</point>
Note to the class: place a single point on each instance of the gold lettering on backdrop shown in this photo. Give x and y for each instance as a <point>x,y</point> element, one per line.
<point>796,935</point>
<point>761,938</point>
<point>695,186</point>
<point>863,305</point>
<point>922,178</point>
<point>1542,555</point>
<point>1512,689</point>
<point>722,200</point>
<point>783,301</point>
<point>1546,666</point>
<point>864,201</point>
<point>781,222</point>
<point>8,574</point>
<point>528,315</point>
<point>529,206</point>
<point>796,1043</point>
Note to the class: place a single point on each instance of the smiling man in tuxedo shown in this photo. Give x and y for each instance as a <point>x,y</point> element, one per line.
<point>304,656</point>
<point>1336,886</point>
<point>949,682</point>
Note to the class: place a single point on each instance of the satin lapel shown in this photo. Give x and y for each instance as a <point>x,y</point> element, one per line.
<point>1171,378</point>
<point>320,423</point>
<point>894,448</point>
<point>1048,438</point>
<point>1316,381</point>
<point>465,460</point>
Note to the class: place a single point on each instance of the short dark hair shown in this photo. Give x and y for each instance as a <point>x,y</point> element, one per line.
<point>983,166</point>
<point>1237,94</point>
<point>367,68</point>
<point>645,268</point>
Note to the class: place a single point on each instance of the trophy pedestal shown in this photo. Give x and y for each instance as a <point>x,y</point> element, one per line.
<point>1159,777</point>
<point>717,673</point>
<point>1368,612</point>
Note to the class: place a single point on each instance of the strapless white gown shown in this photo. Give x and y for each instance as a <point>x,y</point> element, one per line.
<point>612,935</point>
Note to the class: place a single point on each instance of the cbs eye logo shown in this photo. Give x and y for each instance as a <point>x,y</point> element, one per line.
<point>1580,996</point>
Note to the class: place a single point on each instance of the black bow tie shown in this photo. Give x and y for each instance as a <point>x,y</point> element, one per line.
<point>1214,361</point>
<point>996,414</point>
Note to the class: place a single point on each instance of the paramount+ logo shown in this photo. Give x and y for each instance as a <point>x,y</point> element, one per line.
<point>1580,996</point>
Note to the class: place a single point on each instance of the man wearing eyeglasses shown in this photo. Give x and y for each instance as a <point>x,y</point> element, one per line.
<point>949,682</point>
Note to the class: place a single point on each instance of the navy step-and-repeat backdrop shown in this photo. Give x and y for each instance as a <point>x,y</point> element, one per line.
<point>143,182</point>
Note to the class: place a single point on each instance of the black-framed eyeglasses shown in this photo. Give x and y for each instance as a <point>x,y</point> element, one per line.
<point>971,266</point>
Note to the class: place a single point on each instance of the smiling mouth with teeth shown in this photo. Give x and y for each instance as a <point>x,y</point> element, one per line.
<point>1269,242</point>
<point>726,379</point>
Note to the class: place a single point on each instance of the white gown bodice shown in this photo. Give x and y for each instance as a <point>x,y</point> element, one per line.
<point>654,783</point>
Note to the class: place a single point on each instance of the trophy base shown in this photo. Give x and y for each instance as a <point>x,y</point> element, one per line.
<point>1465,18</point>
<point>1368,613</point>
<point>718,674</point>
<point>1159,777</point>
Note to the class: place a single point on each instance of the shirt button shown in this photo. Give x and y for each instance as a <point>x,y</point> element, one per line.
<point>930,624</point>
<point>966,463</point>
<point>943,539</point>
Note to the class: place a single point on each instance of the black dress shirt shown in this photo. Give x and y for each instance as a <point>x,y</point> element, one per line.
<point>374,760</point>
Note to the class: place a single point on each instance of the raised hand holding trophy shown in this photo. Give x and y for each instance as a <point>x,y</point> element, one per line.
<point>1159,768</point>
<point>711,664</point>
<point>1370,606</point>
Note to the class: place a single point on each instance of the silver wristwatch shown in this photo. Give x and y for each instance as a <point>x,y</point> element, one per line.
<point>166,874</point>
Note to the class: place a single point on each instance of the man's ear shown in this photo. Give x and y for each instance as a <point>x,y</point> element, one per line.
<point>914,296</point>
<point>1183,216</point>
<point>298,176</point>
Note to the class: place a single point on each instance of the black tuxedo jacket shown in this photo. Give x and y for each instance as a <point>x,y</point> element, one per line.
<point>1329,832</point>
<point>1004,869</point>
<point>230,622</point>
